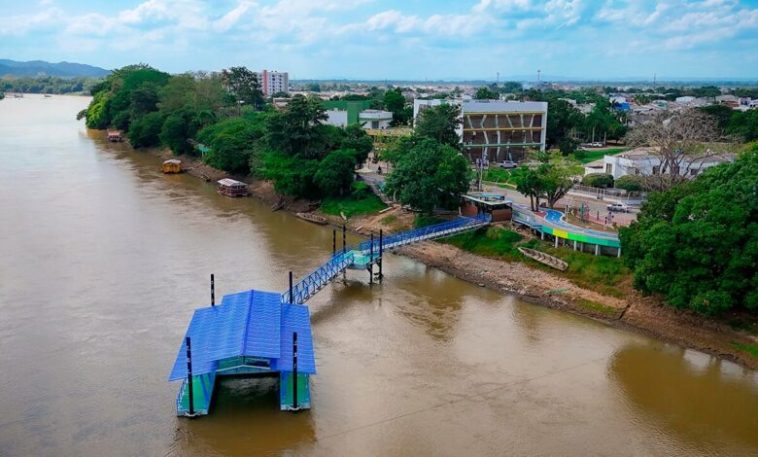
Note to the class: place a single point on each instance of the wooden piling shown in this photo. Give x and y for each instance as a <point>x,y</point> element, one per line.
<point>213,291</point>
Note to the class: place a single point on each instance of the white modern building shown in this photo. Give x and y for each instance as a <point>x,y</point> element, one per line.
<point>375,119</point>
<point>336,117</point>
<point>645,161</point>
<point>496,130</point>
<point>273,82</point>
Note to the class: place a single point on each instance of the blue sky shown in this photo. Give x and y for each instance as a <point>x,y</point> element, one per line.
<point>394,39</point>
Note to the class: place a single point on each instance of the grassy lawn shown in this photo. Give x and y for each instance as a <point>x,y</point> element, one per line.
<point>422,220</point>
<point>601,273</point>
<point>490,241</point>
<point>497,175</point>
<point>751,349</point>
<point>591,155</point>
<point>352,205</point>
<point>598,308</point>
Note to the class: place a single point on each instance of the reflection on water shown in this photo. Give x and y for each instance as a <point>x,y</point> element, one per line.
<point>699,398</point>
<point>103,258</point>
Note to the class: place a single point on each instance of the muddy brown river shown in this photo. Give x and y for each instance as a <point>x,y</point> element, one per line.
<point>103,259</point>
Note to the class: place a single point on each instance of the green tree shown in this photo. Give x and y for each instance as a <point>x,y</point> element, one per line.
<point>243,84</point>
<point>296,129</point>
<point>528,183</point>
<point>697,242</point>
<point>744,125</point>
<point>291,175</point>
<point>335,173</point>
<point>430,175</point>
<point>562,119</point>
<point>394,101</point>
<point>356,139</point>
<point>485,93</point>
<point>145,131</point>
<point>439,123</point>
<point>234,142</point>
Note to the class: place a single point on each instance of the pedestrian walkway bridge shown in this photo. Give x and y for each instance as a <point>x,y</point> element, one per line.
<point>257,333</point>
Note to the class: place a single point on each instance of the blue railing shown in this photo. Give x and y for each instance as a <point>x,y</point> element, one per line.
<point>313,282</point>
<point>427,233</point>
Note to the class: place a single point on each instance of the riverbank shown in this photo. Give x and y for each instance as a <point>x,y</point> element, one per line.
<point>633,311</point>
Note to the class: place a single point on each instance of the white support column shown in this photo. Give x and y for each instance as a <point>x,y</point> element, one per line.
<point>556,241</point>
<point>542,235</point>
<point>597,249</point>
<point>575,245</point>
<point>618,254</point>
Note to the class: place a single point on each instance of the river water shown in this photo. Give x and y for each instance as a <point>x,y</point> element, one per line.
<point>103,259</point>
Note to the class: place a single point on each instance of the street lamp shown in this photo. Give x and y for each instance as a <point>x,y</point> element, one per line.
<point>239,107</point>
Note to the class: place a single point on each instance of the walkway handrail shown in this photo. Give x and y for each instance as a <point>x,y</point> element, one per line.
<point>426,233</point>
<point>313,282</point>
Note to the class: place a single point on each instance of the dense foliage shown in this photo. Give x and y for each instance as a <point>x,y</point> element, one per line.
<point>429,175</point>
<point>47,84</point>
<point>550,180</point>
<point>599,180</point>
<point>697,243</point>
<point>439,123</point>
<point>741,124</point>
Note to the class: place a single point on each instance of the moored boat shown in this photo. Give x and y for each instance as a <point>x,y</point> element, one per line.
<point>310,217</point>
<point>545,259</point>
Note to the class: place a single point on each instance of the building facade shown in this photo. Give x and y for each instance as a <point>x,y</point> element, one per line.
<point>273,82</point>
<point>375,119</point>
<point>495,131</point>
<point>645,161</point>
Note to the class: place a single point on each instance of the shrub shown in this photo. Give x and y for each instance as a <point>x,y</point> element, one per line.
<point>599,180</point>
<point>630,183</point>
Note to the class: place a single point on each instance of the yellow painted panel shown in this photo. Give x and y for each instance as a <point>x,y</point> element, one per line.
<point>560,233</point>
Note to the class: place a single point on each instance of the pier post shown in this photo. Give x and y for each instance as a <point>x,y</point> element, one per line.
<point>189,377</point>
<point>294,370</point>
<point>344,250</point>
<point>371,262</point>
<point>381,252</point>
<point>291,298</point>
<point>334,242</point>
<point>213,291</point>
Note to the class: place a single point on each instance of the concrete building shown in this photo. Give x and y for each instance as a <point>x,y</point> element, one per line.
<point>375,119</point>
<point>273,82</point>
<point>645,161</point>
<point>496,130</point>
<point>336,117</point>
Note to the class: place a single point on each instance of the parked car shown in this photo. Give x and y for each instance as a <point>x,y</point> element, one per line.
<point>508,164</point>
<point>618,207</point>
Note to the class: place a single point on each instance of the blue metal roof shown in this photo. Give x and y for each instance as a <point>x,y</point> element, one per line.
<point>296,318</point>
<point>252,323</point>
<point>264,325</point>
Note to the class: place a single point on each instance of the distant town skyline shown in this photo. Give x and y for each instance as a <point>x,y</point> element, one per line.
<point>396,40</point>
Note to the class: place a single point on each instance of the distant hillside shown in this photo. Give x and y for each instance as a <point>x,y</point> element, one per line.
<point>42,68</point>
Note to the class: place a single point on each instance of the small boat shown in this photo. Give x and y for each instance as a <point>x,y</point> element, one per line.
<point>278,205</point>
<point>232,188</point>
<point>545,259</point>
<point>48,95</point>
<point>171,166</point>
<point>115,136</point>
<point>315,218</point>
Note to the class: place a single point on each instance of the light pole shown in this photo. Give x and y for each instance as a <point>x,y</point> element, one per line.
<point>239,107</point>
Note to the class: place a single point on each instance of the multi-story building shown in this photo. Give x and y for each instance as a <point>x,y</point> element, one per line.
<point>273,82</point>
<point>495,130</point>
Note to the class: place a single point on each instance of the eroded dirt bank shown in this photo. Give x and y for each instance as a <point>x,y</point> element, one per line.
<point>643,314</point>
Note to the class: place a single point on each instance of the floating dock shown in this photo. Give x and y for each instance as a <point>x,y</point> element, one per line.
<point>258,333</point>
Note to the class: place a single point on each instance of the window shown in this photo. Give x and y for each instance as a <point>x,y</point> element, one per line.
<point>656,169</point>
<point>694,172</point>
<point>609,168</point>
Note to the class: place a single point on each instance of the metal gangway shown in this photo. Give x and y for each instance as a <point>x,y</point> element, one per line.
<point>342,260</point>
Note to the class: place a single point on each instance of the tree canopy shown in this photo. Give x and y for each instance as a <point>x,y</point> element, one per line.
<point>697,242</point>
<point>439,123</point>
<point>550,180</point>
<point>485,93</point>
<point>429,175</point>
<point>243,84</point>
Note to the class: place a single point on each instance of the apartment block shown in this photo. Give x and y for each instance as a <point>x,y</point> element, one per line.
<point>273,82</point>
